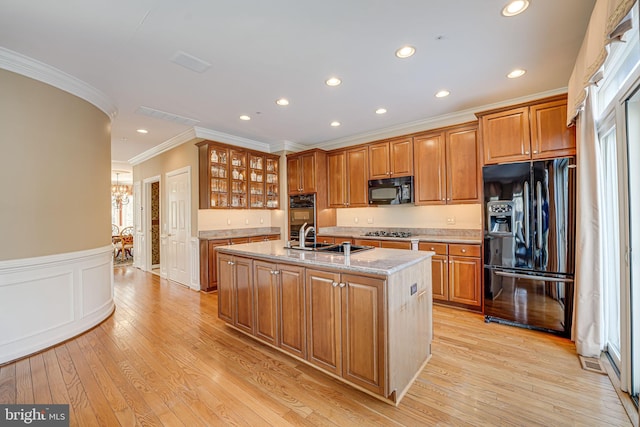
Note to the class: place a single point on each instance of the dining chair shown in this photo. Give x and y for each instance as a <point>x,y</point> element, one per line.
<point>125,245</point>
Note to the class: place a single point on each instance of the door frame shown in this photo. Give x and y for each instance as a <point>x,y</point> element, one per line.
<point>146,220</point>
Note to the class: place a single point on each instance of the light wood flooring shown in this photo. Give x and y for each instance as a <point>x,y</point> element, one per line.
<point>164,358</point>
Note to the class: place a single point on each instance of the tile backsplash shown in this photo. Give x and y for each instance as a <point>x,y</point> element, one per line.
<point>410,216</point>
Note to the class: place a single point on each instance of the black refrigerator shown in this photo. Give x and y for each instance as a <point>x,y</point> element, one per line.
<point>529,243</point>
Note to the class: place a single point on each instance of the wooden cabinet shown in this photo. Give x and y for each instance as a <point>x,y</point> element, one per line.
<point>306,171</point>
<point>346,332</point>
<point>527,132</point>
<point>280,306</point>
<point>209,257</point>
<point>348,177</point>
<point>456,274</point>
<point>231,177</point>
<point>447,166</point>
<point>263,180</point>
<point>392,158</point>
<point>235,293</point>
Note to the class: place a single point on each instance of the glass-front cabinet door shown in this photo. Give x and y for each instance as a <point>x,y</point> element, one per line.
<point>272,184</point>
<point>256,181</point>
<point>219,168</point>
<point>238,178</point>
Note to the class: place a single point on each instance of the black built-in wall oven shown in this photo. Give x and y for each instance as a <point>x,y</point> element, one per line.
<point>302,209</point>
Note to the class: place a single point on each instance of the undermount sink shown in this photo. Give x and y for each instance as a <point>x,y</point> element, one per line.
<point>329,247</point>
<point>340,248</point>
<point>311,246</point>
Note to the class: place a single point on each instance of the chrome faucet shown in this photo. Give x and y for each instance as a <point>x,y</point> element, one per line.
<point>302,234</point>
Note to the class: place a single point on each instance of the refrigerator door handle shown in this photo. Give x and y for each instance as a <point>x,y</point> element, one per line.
<point>539,214</point>
<point>526,214</point>
<point>532,277</point>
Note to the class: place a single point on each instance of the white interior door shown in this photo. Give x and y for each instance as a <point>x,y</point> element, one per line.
<point>179,202</point>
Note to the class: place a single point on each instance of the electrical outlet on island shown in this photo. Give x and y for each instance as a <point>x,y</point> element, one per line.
<point>451,220</point>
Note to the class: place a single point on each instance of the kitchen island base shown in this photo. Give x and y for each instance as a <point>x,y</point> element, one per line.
<point>365,320</point>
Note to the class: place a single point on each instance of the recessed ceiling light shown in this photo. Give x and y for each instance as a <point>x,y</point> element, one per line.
<point>245,117</point>
<point>405,51</point>
<point>335,124</point>
<point>381,110</point>
<point>515,7</point>
<point>333,81</point>
<point>518,72</point>
<point>442,94</point>
<point>142,131</point>
<point>282,102</point>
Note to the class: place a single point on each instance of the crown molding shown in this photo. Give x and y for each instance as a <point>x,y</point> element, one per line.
<point>231,139</point>
<point>177,140</point>
<point>444,120</point>
<point>288,146</point>
<point>29,67</point>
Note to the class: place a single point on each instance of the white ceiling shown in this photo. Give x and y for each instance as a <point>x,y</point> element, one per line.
<point>263,50</point>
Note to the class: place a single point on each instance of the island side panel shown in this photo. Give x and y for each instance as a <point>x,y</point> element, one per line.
<point>410,325</point>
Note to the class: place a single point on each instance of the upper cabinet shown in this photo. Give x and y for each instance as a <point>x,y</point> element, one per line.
<point>527,132</point>
<point>391,158</point>
<point>306,171</point>
<point>447,166</point>
<point>348,176</point>
<point>231,177</point>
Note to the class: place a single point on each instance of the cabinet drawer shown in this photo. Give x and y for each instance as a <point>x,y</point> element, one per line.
<point>464,250</point>
<point>325,239</point>
<point>366,242</point>
<point>395,244</point>
<point>438,248</point>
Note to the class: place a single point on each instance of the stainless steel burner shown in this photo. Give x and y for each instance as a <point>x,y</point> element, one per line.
<point>381,233</point>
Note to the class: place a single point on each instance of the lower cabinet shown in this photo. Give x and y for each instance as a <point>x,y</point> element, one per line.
<point>235,291</point>
<point>456,274</point>
<point>208,257</point>
<point>280,306</point>
<point>345,327</point>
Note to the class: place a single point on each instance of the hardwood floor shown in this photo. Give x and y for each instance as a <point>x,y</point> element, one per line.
<point>164,358</point>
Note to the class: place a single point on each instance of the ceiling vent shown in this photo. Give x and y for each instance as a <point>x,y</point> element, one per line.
<point>163,115</point>
<point>190,62</point>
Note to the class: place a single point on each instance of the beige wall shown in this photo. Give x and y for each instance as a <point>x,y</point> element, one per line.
<point>55,168</point>
<point>177,158</point>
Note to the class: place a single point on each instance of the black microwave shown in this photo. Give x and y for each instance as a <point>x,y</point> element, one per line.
<point>391,191</point>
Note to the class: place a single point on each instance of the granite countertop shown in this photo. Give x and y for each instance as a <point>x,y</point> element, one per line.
<point>420,234</point>
<point>377,261</point>
<point>238,232</point>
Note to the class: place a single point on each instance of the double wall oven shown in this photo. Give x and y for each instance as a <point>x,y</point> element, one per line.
<point>302,209</point>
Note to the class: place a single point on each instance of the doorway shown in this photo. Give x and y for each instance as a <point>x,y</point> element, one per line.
<point>152,218</point>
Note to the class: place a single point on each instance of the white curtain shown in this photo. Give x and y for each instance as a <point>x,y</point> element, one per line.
<point>604,26</point>
<point>587,325</point>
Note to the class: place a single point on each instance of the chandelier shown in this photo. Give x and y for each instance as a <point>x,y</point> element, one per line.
<point>119,194</point>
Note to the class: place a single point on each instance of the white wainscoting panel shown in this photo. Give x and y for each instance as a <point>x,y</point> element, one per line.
<point>47,300</point>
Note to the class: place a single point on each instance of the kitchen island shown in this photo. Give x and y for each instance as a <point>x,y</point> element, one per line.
<point>365,319</point>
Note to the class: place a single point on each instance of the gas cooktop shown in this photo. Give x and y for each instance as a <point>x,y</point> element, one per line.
<point>381,233</point>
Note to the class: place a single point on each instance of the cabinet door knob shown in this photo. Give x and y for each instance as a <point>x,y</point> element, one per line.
<point>342,285</point>
<point>432,249</point>
<point>334,284</point>
<point>463,251</point>
<point>526,152</point>
<point>230,262</point>
<point>535,151</point>
<point>276,272</point>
